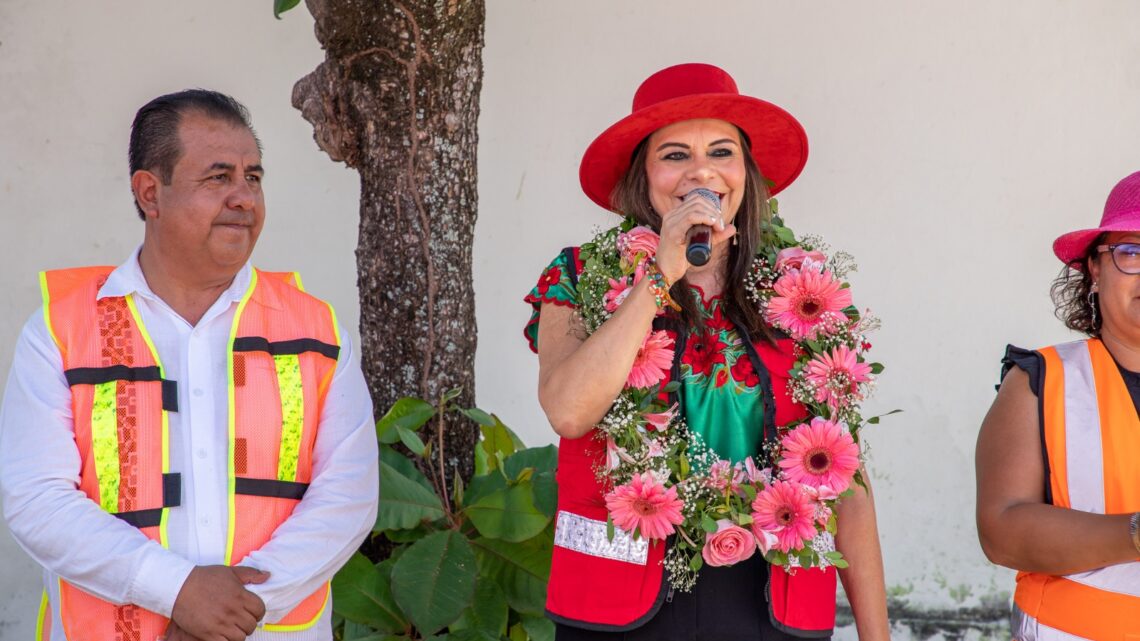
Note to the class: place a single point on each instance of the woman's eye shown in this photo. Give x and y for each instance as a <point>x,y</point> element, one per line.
<point>676,155</point>
<point>721,152</point>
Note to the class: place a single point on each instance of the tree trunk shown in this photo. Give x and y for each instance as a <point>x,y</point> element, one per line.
<point>397,98</point>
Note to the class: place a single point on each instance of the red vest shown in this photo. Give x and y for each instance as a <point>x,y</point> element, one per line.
<point>620,584</point>
<point>282,355</point>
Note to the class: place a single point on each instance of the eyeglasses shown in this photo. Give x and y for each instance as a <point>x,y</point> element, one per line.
<point>1126,256</point>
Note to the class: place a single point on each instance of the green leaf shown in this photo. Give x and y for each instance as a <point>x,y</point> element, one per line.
<point>405,466</point>
<point>545,490</point>
<point>518,633</point>
<point>877,368</point>
<point>707,524</point>
<point>487,613</point>
<point>411,441</point>
<point>609,527</point>
<point>481,465</point>
<point>542,459</point>
<point>452,394</point>
<point>404,503</point>
<point>479,416</point>
<point>538,628</point>
<point>520,569</point>
<point>407,536</point>
<point>696,562</point>
<point>469,635</point>
<point>362,593</point>
<point>483,485</point>
<point>434,580</point>
<point>508,514</point>
<point>498,439</point>
<point>408,413</point>
<point>281,6</point>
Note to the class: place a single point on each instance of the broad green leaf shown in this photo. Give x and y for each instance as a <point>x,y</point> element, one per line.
<point>452,394</point>
<point>521,569</point>
<point>405,466</point>
<point>470,635</point>
<point>499,439</point>
<point>362,593</point>
<point>545,490</point>
<point>482,486</point>
<point>411,441</point>
<point>707,524</point>
<point>488,612</point>
<point>481,465</point>
<point>409,413</point>
<point>434,580</point>
<point>281,6</point>
<point>542,459</point>
<point>479,416</point>
<point>696,563</point>
<point>407,536</point>
<point>538,628</point>
<point>404,503</point>
<point>877,368</point>
<point>508,514</point>
<point>518,633</point>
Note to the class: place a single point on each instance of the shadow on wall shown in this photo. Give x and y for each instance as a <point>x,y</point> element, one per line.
<point>987,622</point>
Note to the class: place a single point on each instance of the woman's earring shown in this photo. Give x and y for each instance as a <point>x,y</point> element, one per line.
<point>735,240</point>
<point>1092,301</point>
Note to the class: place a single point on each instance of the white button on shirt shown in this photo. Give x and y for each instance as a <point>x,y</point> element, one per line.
<point>70,536</point>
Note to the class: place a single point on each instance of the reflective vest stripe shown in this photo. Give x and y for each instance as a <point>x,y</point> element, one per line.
<point>292,414</point>
<point>232,418</point>
<point>43,619</point>
<point>1090,438</point>
<point>105,444</point>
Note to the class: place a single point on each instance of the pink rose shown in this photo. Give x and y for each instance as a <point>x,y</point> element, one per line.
<point>729,545</point>
<point>639,240</point>
<point>794,257</point>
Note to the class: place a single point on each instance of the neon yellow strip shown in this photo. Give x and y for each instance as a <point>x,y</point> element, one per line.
<point>277,627</point>
<point>46,295</point>
<point>44,613</point>
<point>292,414</point>
<point>297,278</point>
<point>335,324</point>
<point>232,416</point>
<point>162,531</point>
<point>105,443</point>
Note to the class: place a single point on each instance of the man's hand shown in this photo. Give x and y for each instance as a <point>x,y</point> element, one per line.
<point>213,604</point>
<point>175,633</point>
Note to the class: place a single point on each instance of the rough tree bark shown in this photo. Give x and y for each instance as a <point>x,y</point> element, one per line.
<point>397,98</point>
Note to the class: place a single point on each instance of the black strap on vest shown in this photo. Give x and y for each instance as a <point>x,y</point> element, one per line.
<point>100,375</point>
<point>171,497</point>
<point>282,348</point>
<point>271,488</point>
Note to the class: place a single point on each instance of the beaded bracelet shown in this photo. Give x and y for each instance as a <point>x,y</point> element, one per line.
<point>660,288</point>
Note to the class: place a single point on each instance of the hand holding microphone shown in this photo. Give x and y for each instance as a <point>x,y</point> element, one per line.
<point>699,239</point>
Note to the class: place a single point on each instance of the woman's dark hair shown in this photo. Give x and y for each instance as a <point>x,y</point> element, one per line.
<point>1070,293</point>
<point>631,198</point>
<point>154,143</point>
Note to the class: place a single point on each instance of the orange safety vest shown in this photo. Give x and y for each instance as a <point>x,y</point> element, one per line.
<point>282,354</point>
<point>1091,437</point>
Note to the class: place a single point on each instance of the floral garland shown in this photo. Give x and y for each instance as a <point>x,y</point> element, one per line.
<point>666,482</point>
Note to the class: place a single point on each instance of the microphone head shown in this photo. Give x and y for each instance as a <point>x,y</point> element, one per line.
<point>707,194</point>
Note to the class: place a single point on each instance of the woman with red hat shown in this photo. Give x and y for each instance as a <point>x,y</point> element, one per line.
<point>1058,478</point>
<point>694,157</point>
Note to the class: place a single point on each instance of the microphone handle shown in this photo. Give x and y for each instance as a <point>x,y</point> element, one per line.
<point>699,249</point>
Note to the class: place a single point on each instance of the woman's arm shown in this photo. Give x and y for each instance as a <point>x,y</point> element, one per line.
<point>1016,527</point>
<point>858,540</point>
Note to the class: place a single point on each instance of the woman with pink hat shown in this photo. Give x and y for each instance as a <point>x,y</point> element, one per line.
<point>703,369</point>
<point>1058,477</point>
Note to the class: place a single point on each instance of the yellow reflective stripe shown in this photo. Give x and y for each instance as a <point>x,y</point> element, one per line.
<point>130,298</point>
<point>292,414</point>
<point>297,280</point>
<point>105,443</point>
<point>277,627</point>
<point>232,417</point>
<point>45,612</point>
<point>46,295</point>
<point>335,324</point>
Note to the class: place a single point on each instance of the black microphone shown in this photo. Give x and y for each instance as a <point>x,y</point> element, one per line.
<point>699,237</point>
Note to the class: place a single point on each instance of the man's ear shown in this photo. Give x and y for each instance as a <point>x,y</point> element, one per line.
<point>145,186</point>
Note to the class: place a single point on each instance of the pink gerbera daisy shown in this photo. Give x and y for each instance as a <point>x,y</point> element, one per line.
<point>820,454</point>
<point>804,299</point>
<point>836,376</point>
<point>652,361</point>
<point>785,510</point>
<point>646,506</point>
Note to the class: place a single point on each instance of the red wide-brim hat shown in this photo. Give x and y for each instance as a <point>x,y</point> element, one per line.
<point>686,92</point>
<point>1121,213</point>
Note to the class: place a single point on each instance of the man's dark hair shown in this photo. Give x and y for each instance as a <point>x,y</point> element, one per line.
<point>154,133</point>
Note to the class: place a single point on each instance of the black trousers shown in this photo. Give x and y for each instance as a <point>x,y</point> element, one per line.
<point>727,604</point>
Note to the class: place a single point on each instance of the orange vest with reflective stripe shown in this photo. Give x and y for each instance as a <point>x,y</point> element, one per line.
<point>282,355</point>
<point>1091,439</point>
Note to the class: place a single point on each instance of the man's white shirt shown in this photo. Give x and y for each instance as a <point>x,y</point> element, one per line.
<point>70,536</point>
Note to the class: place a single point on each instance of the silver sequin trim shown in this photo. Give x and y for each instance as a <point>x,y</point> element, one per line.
<point>587,536</point>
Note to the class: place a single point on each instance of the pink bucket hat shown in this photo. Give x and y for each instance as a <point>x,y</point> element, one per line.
<point>1121,213</point>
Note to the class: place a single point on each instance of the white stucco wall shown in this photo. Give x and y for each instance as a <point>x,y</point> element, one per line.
<point>950,143</point>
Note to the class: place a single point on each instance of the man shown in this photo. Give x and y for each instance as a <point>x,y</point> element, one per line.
<point>186,443</point>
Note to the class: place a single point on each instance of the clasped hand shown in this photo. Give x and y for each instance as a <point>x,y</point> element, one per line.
<point>213,605</point>
<point>675,225</point>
